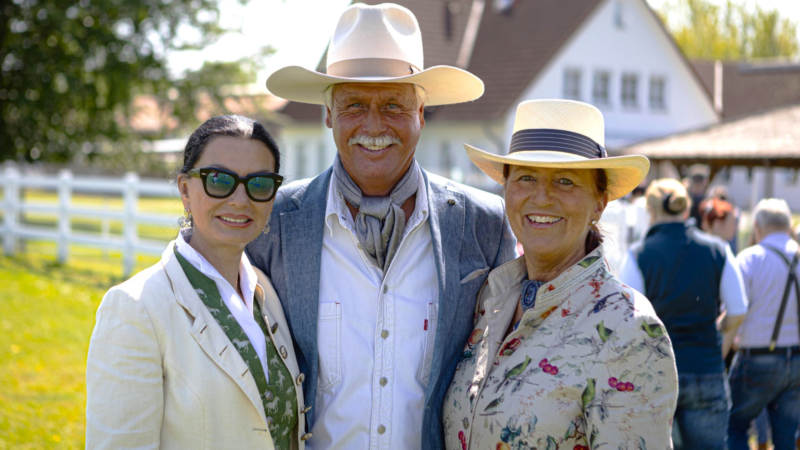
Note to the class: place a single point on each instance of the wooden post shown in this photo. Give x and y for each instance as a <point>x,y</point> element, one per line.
<point>64,197</point>
<point>11,209</point>
<point>129,225</point>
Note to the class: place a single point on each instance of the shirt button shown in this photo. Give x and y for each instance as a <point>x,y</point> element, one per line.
<point>385,289</point>
<point>381,429</point>
<point>274,327</point>
<point>284,353</point>
<point>385,334</point>
<point>300,379</point>
<point>384,381</point>
<point>306,437</point>
<point>269,395</point>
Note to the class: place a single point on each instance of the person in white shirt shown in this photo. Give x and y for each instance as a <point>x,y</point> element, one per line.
<point>688,275</point>
<point>377,262</point>
<point>766,370</point>
<point>194,352</point>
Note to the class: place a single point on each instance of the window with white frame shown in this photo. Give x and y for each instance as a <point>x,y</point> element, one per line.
<point>619,15</point>
<point>629,92</point>
<point>322,156</point>
<point>601,88</point>
<point>658,93</point>
<point>300,158</point>
<point>572,84</point>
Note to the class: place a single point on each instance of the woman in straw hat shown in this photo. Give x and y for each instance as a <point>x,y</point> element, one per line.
<point>563,355</point>
<point>688,274</point>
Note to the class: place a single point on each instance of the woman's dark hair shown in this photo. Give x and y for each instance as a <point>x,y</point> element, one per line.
<point>595,237</point>
<point>233,126</point>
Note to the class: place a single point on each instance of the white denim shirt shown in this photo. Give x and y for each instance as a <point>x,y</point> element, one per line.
<point>765,279</point>
<point>375,335</point>
<point>240,308</point>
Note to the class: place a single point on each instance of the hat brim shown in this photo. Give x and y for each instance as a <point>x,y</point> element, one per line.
<point>624,172</point>
<point>444,85</point>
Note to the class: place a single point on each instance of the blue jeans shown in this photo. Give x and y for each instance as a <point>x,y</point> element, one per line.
<point>771,381</point>
<point>703,409</point>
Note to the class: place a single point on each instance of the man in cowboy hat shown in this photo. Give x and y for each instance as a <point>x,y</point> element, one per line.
<point>377,262</point>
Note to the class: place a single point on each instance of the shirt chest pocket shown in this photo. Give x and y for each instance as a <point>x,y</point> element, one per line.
<point>329,344</point>
<point>429,328</point>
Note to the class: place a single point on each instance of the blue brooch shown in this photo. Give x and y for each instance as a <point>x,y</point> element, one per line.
<point>529,290</point>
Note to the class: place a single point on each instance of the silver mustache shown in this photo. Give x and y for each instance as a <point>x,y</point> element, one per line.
<point>374,142</point>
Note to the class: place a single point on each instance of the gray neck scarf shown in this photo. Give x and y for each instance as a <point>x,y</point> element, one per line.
<point>380,221</point>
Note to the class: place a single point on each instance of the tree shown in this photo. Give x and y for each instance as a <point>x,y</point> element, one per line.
<point>68,73</point>
<point>730,32</point>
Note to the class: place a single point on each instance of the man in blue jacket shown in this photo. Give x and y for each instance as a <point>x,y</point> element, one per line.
<point>377,262</point>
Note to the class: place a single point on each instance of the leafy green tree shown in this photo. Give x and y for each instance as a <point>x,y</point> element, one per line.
<point>707,31</point>
<point>70,69</point>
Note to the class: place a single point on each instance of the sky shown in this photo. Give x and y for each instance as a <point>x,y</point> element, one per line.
<point>299,31</point>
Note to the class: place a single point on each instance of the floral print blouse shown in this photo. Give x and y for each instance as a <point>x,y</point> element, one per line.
<point>590,366</point>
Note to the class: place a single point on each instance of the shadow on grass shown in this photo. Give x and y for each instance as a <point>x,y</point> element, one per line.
<point>72,273</point>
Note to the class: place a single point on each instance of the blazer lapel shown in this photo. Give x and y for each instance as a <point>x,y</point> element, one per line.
<point>301,245</point>
<point>207,332</point>
<point>447,213</point>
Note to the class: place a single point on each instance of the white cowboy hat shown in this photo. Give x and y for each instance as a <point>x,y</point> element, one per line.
<point>376,44</point>
<point>562,133</point>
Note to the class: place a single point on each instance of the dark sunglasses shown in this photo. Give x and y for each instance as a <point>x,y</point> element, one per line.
<point>220,183</point>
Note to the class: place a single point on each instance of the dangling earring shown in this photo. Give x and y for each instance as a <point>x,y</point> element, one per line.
<point>266,228</point>
<point>186,222</point>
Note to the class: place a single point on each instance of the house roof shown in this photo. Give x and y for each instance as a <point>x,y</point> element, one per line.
<point>771,137</point>
<point>748,87</point>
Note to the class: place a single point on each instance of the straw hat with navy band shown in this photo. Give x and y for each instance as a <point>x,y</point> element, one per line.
<point>566,134</point>
<point>376,44</point>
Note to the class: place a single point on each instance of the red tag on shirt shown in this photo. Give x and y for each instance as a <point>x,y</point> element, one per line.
<point>426,325</point>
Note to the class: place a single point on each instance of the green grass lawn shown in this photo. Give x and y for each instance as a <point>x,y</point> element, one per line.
<point>47,315</point>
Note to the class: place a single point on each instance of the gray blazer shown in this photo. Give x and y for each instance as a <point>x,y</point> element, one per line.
<point>470,235</point>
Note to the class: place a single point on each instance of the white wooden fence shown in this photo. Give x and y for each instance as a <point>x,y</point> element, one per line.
<point>131,187</point>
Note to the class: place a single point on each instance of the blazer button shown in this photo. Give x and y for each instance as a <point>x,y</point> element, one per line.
<point>306,409</point>
<point>300,379</point>
<point>284,353</point>
<point>274,327</point>
<point>269,396</point>
<point>306,437</point>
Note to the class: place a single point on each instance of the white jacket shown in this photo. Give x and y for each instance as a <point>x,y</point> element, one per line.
<point>161,373</point>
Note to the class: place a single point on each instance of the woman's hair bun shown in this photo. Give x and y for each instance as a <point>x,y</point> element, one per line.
<point>667,195</point>
<point>675,204</point>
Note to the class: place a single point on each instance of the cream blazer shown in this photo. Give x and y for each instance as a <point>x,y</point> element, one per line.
<point>161,373</point>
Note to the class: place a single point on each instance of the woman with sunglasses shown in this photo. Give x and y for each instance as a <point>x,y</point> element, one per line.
<point>195,351</point>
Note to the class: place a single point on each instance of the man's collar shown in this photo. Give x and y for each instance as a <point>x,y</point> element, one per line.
<point>779,238</point>
<point>336,206</point>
